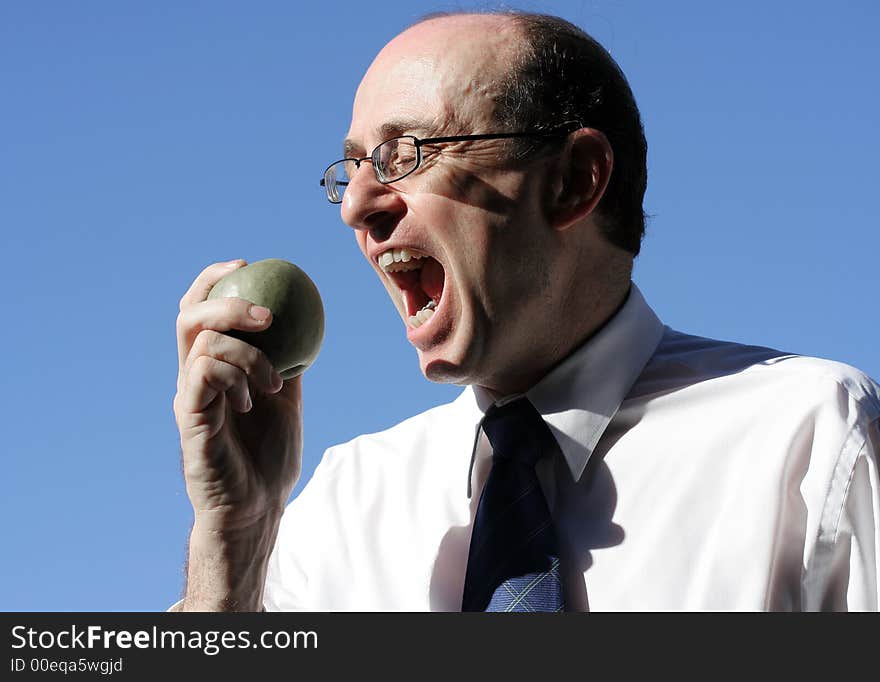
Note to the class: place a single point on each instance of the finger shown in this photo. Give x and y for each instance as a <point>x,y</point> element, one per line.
<point>251,360</point>
<point>292,391</point>
<point>206,279</point>
<point>218,314</point>
<point>206,379</point>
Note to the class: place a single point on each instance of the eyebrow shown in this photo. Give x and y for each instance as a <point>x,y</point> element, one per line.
<point>389,129</point>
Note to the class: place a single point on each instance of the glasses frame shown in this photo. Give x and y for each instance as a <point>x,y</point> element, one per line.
<point>564,129</point>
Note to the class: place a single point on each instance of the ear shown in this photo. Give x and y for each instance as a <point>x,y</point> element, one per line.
<point>582,176</point>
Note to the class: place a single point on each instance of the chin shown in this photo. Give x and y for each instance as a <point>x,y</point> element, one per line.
<point>448,364</point>
<point>444,372</point>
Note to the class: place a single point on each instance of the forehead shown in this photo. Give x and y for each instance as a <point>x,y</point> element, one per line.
<point>442,74</point>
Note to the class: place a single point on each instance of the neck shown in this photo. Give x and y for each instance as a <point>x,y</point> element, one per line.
<point>592,321</point>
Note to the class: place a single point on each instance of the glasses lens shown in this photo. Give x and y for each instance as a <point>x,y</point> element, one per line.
<point>336,180</point>
<point>395,158</point>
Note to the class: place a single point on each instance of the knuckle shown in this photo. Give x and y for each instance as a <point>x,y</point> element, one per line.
<point>254,359</point>
<point>202,365</point>
<point>245,357</point>
<point>200,345</point>
<point>178,407</point>
<point>232,307</point>
<point>208,342</point>
<point>209,270</point>
<point>187,323</point>
<point>250,359</point>
<point>185,299</point>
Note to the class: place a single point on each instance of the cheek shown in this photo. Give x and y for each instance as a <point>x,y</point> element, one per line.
<point>519,264</point>
<point>475,189</point>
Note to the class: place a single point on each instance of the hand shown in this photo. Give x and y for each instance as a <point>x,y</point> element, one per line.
<point>240,424</point>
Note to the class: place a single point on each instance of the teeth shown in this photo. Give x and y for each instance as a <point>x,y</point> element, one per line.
<point>423,315</point>
<point>399,260</point>
<point>403,260</point>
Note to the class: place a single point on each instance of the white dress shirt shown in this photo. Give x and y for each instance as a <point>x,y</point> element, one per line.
<point>695,475</point>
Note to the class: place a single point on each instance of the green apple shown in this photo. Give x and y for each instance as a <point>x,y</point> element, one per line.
<point>294,338</point>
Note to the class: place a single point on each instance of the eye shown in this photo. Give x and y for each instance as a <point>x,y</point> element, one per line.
<point>405,154</point>
<point>397,157</point>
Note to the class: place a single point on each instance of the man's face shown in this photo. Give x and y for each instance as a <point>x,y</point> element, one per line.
<point>475,245</point>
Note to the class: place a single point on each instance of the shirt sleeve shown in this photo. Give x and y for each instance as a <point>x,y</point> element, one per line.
<point>296,546</point>
<point>844,574</point>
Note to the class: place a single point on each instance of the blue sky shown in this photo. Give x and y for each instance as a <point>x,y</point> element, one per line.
<point>142,141</point>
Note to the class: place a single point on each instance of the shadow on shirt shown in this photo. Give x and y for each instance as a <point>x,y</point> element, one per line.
<point>594,507</point>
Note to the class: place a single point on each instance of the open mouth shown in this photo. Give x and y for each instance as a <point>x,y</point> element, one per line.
<point>419,277</point>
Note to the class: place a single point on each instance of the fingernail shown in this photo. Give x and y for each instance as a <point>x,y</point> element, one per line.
<point>247,403</point>
<point>277,381</point>
<point>259,313</point>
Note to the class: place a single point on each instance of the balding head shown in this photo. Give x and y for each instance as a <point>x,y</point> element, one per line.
<point>455,66</point>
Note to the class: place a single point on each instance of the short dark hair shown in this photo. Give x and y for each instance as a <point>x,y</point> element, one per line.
<point>563,74</point>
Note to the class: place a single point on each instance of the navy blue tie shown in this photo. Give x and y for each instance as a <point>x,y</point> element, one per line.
<point>513,563</point>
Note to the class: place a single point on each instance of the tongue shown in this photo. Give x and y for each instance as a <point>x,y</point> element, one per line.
<point>432,279</point>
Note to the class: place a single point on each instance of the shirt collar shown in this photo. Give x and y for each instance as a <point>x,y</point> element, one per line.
<point>583,393</point>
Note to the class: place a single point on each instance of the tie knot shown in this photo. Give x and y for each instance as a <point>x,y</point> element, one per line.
<point>517,431</point>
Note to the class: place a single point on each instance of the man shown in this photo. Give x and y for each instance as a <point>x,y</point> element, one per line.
<point>682,473</point>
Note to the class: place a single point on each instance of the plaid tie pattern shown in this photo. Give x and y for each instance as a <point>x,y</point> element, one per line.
<point>513,563</point>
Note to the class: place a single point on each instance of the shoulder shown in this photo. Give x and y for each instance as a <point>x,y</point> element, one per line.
<point>405,440</point>
<point>381,465</point>
<point>424,452</point>
<point>684,360</point>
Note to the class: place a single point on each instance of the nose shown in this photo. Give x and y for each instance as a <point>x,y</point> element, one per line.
<point>369,205</point>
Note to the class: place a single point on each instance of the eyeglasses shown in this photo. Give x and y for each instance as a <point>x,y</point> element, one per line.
<point>396,158</point>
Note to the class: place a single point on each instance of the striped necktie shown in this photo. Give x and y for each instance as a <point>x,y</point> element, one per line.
<point>513,563</point>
